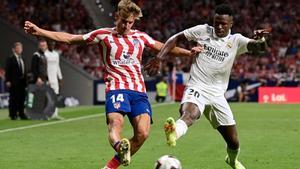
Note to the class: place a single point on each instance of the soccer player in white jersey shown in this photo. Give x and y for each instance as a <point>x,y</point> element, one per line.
<point>53,72</point>
<point>209,76</point>
<point>121,50</point>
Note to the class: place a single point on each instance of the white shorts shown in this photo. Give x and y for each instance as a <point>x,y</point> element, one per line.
<point>215,108</point>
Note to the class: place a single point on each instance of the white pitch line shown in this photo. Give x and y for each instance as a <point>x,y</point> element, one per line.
<point>51,123</point>
<point>63,121</point>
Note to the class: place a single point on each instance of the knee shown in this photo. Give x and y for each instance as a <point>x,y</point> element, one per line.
<point>141,136</point>
<point>116,122</point>
<point>194,115</point>
<point>190,117</point>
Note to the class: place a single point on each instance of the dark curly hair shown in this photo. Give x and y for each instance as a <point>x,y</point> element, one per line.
<point>224,9</point>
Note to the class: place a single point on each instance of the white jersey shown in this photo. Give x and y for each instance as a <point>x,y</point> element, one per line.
<point>53,69</point>
<point>211,69</point>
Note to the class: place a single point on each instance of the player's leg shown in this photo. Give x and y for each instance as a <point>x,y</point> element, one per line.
<point>115,123</point>
<point>192,104</point>
<point>222,119</point>
<point>140,119</point>
<point>141,127</point>
<point>174,130</point>
<point>117,103</point>
<point>230,135</point>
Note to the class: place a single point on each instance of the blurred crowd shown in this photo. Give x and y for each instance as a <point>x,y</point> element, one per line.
<point>279,66</point>
<point>59,15</point>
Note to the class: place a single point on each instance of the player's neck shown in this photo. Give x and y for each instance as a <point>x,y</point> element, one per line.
<point>126,32</point>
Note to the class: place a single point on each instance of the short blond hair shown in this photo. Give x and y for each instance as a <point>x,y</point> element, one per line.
<point>127,7</point>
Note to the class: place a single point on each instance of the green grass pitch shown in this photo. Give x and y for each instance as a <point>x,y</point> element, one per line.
<point>269,136</point>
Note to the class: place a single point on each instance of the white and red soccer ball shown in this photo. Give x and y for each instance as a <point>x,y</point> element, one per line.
<point>167,162</point>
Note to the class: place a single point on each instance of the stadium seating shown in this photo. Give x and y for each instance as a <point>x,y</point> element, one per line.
<point>280,64</point>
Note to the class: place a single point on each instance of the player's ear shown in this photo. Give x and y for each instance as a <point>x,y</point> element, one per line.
<point>231,22</point>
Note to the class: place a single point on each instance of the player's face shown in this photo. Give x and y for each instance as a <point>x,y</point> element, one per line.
<point>222,25</point>
<point>124,24</point>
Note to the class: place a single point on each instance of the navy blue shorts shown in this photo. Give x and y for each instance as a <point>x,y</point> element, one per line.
<point>127,102</point>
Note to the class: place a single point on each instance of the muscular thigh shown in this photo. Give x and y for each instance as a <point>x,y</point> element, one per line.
<point>141,123</point>
<point>219,112</point>
<point>192,99</point>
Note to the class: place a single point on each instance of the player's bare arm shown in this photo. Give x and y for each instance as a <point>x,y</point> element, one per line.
<point>259,44</point>
<point>171,44</point>
<point>31,28</point>
<point>175,51</point>
<point>153,66</point>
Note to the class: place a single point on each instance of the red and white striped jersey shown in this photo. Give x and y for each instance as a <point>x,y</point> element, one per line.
<point>122,56</point>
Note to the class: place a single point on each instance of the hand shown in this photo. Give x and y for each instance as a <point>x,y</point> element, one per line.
<point>8,84</point>
<point>196,50</point>
<point>261,33</point>
<point>152,67</point>
<point>31,28</point>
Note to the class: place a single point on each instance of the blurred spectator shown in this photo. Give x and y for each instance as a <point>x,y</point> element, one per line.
<point>15,80</point>
<point>53,72</point>
<point>39,64</point>
<point>161,90</point>
<point>71,16</point>
<point>46,69</point>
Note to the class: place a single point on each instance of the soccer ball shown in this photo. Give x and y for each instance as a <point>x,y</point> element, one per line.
<point>167,162</point>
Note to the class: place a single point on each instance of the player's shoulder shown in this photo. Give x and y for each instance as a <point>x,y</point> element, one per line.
<point>103,31</point>
<point>237,35</point>
<point>205,27</point>
<point>138,32</point>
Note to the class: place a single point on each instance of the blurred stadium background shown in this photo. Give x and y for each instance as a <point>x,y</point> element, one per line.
<point>273,77</point>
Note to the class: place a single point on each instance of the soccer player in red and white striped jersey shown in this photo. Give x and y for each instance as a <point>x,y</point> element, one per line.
<point>121,50</point>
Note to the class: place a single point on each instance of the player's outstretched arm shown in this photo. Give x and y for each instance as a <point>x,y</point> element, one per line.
<point>31,28</point>
<point>170,47</point>
<point>153,66</point>
<point>259,43</point>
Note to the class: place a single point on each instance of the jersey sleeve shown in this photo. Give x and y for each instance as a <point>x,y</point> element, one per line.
<point>242,44</point>
<point>95,36</point>
<point>149,41</point>
<point>194,33</point>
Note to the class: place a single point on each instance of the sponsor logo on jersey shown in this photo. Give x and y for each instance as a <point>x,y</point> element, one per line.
<point>125,60</point>
<point>215,54</point>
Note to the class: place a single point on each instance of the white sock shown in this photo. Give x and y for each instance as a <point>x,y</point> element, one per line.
<point>233,155</point>
<point>181,128</point>
<point>55,114</point>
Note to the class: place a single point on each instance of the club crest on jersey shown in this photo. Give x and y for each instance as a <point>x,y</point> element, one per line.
<point>229,44</point>
<point>135,42</point>
<point>117,105</point>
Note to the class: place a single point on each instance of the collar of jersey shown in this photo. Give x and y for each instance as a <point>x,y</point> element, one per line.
<point>116,32</point>
<point>221,39</point>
